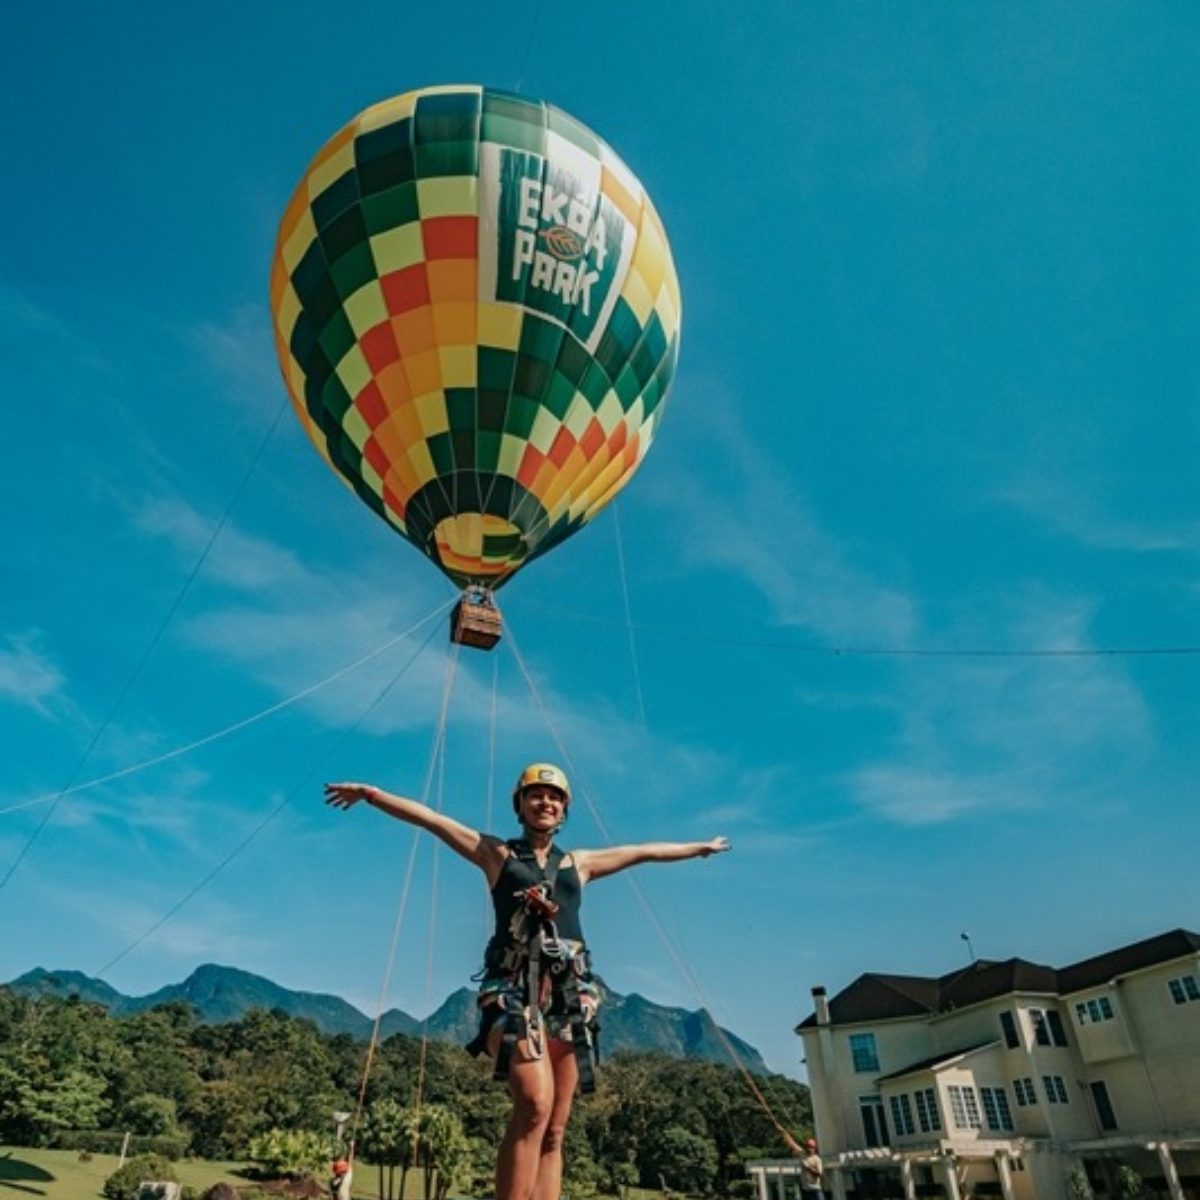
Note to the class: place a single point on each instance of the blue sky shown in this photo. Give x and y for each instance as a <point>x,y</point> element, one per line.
<point>903,601</point>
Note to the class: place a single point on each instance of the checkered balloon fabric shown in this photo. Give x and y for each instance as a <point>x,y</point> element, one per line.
<point>477,316</point>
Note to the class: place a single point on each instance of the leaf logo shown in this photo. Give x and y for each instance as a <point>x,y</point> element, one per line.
<point>563,243</point>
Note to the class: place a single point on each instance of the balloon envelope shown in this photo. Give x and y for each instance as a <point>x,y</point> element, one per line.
<point>477,316</point>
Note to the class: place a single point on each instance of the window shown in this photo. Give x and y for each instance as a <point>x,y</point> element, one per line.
<point>902,1118</point>
<point>927,1111</point>
<point>964,1108</point>
<point>1041,1031</point>
<point>1094,1010</point>
<point>1056,1089</point>
<point>1047,1027</point>
<point>1058,1035</point>
<point>875,1131</point>
<point>863,1052</point>
<point>1104,1108</point>
<point>1184,989</point>
<point>995,1108</point>
<point>1024,1092</point>
<point>1008,1023</point>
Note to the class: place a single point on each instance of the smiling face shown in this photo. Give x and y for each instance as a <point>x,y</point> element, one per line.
<point>542,808</point>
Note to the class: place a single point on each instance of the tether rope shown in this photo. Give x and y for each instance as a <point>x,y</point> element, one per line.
<point>151,646</point>
<point>434,769</point>
<point>489,802</point>
<point>683,635</point>
<point>237,726</point>
<point>643,724</point>
<point>438,767</point>
<point>644,727</point>
<point>655,921</point>
<point>660,929</point>
<point>519,86</point>
<point>397,925</point>
<point>302,785</point>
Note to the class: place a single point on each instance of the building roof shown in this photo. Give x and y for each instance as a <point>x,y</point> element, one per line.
<point>1091,972</point>
<point>877,997</point>
<point>938,1060</point>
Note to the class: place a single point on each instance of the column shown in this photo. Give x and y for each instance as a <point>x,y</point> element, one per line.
<point>950,1177</point>
<point>1004,1170</point>
<point>1170,1171</point>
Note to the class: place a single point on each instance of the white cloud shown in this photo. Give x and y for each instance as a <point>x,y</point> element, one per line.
<point>27,676</point>
<point>41,334</point>
<point>1072,511</point>
<point>984,734</point>
<point>748,519</point>
<point>216,931</point>
<point>283,624</point>
<point>241,352</point>
<point>231,557</point>
<point>913,795</point>
<point>173,811</point>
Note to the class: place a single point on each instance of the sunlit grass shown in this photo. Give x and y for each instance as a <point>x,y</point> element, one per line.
<point>64,1175</point>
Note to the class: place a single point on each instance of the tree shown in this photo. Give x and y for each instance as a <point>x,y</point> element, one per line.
<point>389,1140</point>
<point>683,1160</point>
<point>35,1106</point>
<point>150,1115</point>
<point>289,1153</point>
<point>20,1102</point>
<point>629,1105</point>
<point>622,1176</point>
<point>582,1174</point>
<point>442,1149</point>
<point>156,1055</point>
<point>266,1071</point>
<point>68,1065</point>
<point>76,1101</point>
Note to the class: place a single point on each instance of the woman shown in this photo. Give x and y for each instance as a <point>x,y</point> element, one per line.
<point>537,996</point>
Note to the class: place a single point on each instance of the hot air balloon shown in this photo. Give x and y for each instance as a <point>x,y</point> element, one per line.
<point>477,317</point>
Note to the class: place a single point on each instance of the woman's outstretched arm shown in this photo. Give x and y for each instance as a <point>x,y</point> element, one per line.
<point>479,848</point>
<point>595,864</point>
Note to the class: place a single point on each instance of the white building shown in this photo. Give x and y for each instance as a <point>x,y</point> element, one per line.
<point>1004,1077</point>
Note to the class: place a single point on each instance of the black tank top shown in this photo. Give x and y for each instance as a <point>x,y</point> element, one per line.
<point>520,872</point>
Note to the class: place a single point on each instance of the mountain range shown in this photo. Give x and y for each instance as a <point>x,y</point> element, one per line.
<point>219,994</point>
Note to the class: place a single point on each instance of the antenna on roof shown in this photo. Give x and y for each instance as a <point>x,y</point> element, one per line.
<point>966,937</point>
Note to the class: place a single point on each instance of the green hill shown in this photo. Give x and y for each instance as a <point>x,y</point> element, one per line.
<point>221,994</point>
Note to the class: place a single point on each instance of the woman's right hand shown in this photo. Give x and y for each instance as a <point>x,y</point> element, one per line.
<point>347,795</point>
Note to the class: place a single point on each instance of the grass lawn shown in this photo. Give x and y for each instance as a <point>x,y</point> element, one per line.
<point>60,1175</point>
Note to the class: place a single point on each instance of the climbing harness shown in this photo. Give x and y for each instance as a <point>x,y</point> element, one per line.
<point>534,980</point>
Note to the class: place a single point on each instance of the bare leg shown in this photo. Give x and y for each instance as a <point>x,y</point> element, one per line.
<point>531,1085</point>
<point>548,1185</point>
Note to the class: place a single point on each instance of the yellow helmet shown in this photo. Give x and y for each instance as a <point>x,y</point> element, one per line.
<point>543,773</point>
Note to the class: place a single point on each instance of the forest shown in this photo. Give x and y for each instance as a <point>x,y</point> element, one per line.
<point>271,1089</point>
